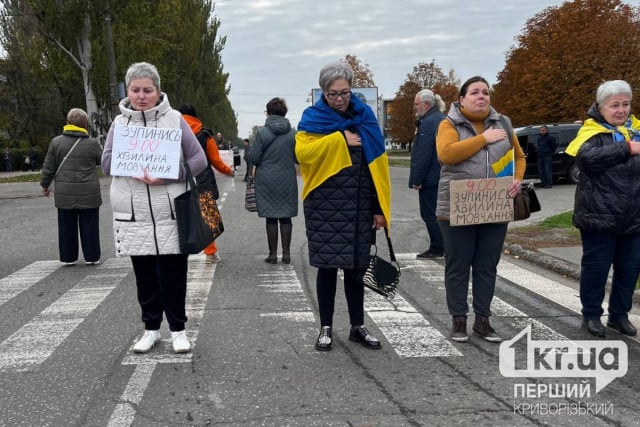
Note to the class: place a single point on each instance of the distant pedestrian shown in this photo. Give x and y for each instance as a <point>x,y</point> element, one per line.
<point>273,154</point>
<point>247,146</point>
<point>607,207</point>
<point>33,159</point>
<point>471,142</point>
<point>545,148</point>
<point>425,167</point>
<point>72,160</point>
<point>7,160</point>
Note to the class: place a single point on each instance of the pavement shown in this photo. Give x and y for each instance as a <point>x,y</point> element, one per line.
<point>562,260</point>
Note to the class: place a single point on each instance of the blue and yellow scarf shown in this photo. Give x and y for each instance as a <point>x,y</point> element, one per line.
<point>318,162</point>
<point>592,127</point>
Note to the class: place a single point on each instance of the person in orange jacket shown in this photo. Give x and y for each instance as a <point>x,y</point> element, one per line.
<point>211,150</point>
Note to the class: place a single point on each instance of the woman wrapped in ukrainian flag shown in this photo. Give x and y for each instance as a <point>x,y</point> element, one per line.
<point>346,195</point>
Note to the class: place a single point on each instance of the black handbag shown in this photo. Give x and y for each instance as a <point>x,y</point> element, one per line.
<point>525,202</point>
<point>382,276</point>
<point>198,218</point>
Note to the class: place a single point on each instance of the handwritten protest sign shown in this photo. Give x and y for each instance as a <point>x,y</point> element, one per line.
<point>137,148</point>
<point>479,201</point>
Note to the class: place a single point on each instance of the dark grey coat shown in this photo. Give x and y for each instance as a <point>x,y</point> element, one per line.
<point>273,154</point>
<point>76,185</point>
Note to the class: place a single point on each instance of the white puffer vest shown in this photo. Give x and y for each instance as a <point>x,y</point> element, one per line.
<point>144,220</point>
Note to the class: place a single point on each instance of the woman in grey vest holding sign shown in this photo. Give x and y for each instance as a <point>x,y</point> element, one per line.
<point>144,222</point>
<point>470,143</point>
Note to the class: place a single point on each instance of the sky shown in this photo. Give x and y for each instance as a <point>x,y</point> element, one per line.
<point>277,47</point>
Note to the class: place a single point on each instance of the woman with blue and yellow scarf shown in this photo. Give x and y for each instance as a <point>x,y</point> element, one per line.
<point>346,193</point>
<point>607,207</point>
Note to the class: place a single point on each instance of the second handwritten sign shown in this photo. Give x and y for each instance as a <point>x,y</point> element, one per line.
<point>478,201</point>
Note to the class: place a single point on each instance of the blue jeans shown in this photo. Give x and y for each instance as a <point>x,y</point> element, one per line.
<point>599,252</point>
<point>544,169</point>
<point>428,197</point>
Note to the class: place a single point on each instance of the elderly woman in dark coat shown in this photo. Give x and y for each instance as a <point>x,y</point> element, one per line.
<point>72,159</point>
<point>346,193</point>
<point>607,207</point>
<point>273,155</point>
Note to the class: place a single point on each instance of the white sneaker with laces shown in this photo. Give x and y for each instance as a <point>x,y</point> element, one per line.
<point>180,342</point>
<point>147,342</point>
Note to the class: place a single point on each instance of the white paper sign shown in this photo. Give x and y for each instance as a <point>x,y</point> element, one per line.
<point>137,148</point>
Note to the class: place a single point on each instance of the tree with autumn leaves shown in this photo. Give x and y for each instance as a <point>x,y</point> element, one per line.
<point>401,120</point>
<point>561,57</point>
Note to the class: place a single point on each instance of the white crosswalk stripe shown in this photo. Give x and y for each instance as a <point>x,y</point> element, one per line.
<point>37,340</point>
<point>23,279</point>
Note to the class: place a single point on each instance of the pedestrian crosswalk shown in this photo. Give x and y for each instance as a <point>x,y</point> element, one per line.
<point>410,332</point>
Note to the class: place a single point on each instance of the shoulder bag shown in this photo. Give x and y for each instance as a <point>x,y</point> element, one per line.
<point>198,218</point>
<point>52,184</point>
<point>382,276</point>
<point>250,195</point>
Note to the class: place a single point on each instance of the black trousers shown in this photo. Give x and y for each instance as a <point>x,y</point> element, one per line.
<point>88,222</point>
<point>162,288</point>
<point>353,290</point>
<point>475,250</point>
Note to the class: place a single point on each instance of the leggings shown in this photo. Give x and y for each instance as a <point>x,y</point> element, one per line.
<point>353,290</point>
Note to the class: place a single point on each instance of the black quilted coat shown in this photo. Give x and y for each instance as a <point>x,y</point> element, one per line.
<point>339,217</point>
<point>607,196</point>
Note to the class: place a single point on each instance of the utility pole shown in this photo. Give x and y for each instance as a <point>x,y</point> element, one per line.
<point>111,61</point>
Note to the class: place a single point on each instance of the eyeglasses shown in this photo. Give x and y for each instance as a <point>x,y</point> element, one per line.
<point>334,95</point>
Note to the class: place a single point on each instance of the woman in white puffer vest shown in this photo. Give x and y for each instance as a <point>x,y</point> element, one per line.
<point>144,221</point>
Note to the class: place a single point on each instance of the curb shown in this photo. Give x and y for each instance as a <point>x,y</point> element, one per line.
<point>551,263</point>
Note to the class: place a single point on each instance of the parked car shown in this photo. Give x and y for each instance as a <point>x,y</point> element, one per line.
<point>563,165</point>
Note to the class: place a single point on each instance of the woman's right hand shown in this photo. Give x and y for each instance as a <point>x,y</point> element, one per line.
<point>492,135</point>
<point>353,139</point>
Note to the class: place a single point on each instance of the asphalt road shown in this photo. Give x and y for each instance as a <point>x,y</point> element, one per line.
<point>66,335</point>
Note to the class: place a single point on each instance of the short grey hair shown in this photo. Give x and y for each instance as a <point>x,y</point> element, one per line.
<point>612,87</point>
<point>335,71</point>
<point>141,70</point>
<point>78,117</point>
<point>426,95</point>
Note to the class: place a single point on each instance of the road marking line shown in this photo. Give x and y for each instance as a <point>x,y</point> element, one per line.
<point>23,279</point>
<point>199,280</point>
<point>37,340</point>
<point>550,289</point>
<point>125,411</point>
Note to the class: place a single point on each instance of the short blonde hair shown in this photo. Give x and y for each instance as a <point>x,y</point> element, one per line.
<point>78,117</point>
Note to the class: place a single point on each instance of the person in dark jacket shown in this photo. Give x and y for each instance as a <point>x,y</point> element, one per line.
<point>346,195</point>
<point>545,147</point>
<point>273,155</point>
<point>424,174</point>
<point>607,207</point>
<point>72,159</point>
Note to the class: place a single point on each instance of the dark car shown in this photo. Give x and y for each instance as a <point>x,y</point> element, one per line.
<point>563,165</point>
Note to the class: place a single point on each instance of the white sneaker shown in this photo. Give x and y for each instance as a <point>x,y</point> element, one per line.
<point>180,342</point>
<point>92,262</point>
<point>148,340</point>
<point>213,259</point>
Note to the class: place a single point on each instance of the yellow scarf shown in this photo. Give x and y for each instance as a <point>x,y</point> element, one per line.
<point>74,128</point>
<point>590,128</point>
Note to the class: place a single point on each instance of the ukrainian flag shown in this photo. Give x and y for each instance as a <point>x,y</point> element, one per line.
<point>504,166</point>
<point>322,152</point>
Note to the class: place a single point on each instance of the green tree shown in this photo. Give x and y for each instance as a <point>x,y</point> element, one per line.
<point>562,55</point>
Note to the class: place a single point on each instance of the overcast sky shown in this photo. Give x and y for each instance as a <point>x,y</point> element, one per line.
<point>277,47</point>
